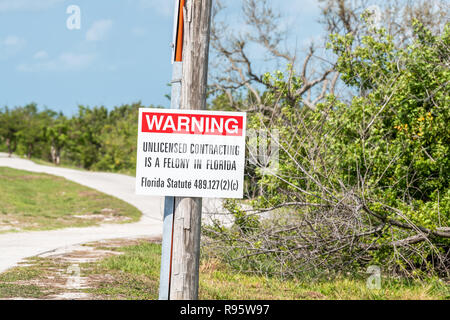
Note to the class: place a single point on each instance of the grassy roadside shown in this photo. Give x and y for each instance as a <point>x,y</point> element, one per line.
<point>35,201</point>
<point>68,165</point>
<point>130,270</point>
<point>51,164</point>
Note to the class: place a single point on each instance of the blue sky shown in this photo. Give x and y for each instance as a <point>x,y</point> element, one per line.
<point>121,53</point>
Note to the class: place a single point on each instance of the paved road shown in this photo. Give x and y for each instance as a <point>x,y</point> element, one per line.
<point>14,247</point>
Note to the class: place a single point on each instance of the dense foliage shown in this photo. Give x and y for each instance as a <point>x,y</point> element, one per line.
<point>93,138</point>
<point>359,181</point>
<point>404,113</point>
<point>364,181</point>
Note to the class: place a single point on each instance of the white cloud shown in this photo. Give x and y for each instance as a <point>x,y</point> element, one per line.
<point>26,5</point>
<point>12,41</point>
<point>41,55</point>
<point>162,7</point>
<point>99,30</point>
<point>65,62</point>
<point>76,61</point>
<point>10,46</point>
<point>138,31</point>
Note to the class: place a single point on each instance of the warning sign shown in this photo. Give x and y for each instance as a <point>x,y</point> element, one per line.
<point>189,153</point>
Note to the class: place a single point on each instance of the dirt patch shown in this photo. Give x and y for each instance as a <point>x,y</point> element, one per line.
<point>210,265</point>
<point>8,223</point>
<point>6,228</point>
<point>312,295</point>
<point>30,177</point>
<point>72,296</point>
<point>99,217</point>
<point>105,215</point>
<point>26,178</point>
<point>89,194</point>
<point>62,274</point>
<point>117,243</point>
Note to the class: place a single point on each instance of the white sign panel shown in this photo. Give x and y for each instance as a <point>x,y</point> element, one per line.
<point>190,153</point>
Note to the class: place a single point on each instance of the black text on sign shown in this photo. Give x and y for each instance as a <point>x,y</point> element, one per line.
<point>190,153</point>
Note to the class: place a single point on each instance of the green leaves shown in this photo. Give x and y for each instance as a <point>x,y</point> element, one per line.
<point>387,146</point>
<point>94,138</point>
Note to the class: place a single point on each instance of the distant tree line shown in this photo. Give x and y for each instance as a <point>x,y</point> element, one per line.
<point>93,138</point>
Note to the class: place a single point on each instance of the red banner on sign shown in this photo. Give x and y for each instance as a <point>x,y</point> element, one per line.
<point>184,123</point>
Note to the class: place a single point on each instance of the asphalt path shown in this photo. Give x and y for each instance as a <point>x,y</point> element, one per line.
<point>15,247</point>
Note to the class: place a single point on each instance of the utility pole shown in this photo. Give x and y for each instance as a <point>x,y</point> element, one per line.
<point>182,216</point>
<point>188,211</point>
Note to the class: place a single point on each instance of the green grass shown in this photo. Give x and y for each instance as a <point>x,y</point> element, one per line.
<point>35,201</point>
<point>25,281</point>
<point>137,272</point>
<point>8,290</point>
<point>70,165</point>
<point>63,164</point>
<point>224,284</point>
<point>135,275</point>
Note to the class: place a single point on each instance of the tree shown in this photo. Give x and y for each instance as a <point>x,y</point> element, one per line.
<point>94,138</point>
<point>56,136</point>
<point>33,127</point>
<point>343,16</point>
<point>119,140</point>
<point>236,72</point>
<point>365,179</point>
<point>10,125</point>
<point>84,138</point>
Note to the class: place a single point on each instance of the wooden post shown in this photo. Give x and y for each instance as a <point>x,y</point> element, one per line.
<point>169,202</point>
<point>187,216</point>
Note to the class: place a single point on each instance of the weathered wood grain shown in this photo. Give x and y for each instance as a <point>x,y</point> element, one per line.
<point>187,216</point>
